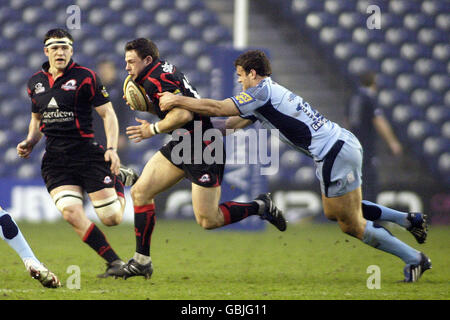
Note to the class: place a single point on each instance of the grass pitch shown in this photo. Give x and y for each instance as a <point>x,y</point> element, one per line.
<point>308,261</point>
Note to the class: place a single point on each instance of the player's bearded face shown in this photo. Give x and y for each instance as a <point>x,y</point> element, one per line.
<point>135,64</point>
<point>59,56</point>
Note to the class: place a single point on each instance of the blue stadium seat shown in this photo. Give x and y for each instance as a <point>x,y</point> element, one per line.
<point>413,51</point>
<point>379,51</point>
<point>445,129</point>
<point>442,21</point>
<point>361,64</point>
<point>436,145</point>
<point>52,5</point>
<point>113,32</point>
<point>202,18</point>
<point>337,6</point>
<point>417,21</point>
<point>394,66</point>
<point>351,20</point>
<point>87,31</point>
<point>216,34</point>
<point>14,30</point>
<point>385,81</point>
<point>440,82</point>
<point>19,75</point>
<point>418,130</point>
<point>347,50</point>
<point>441,51</point>
<point>182,32</point>
<point>193,48</point>
<point>410,81</point>
<point>391,97</point>
<point>8,59</point>
<point>33,15</point>
<point>28,45</point>
<point>437,114</point>
<point>155,5</point>
<point>303,7</point>
<point>168,17</point>
<point>365,36</point>
<point>332,35</point>
<point>136,17</point>
<point>86,5</point>
<point>189,5</point>
<point>431,36</point>
<point>426,67</point>
<point>433,7</point>
<point>22,4</point>
<point>101,16</point>
<point>93,47</point>
<point>402,7</point>
<point>399,35</point>
<point>318,20</point>
<point>122,5</point>
<point>423,97</point>
<point>153,31</point>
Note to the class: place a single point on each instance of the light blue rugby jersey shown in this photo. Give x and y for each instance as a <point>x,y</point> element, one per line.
<point>299,125</point>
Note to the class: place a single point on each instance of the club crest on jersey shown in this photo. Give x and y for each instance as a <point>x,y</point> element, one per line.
<point>38,88</point>
<point>107,180</point>
<point>70,85</point>
<point>204,178</point>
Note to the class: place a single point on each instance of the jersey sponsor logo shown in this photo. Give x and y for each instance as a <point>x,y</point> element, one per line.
<point>38,88</point>
<point>56,115</point>
<point>244,98</point>
<point>70,85</point>
<point>105,92</point>
<point>204,178</point>
<point>317,119</point>
<point>167,67</point>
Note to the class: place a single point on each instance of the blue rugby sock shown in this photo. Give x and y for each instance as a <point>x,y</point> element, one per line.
<point>380,238</point>
<point>10,232</point>
<point>374,212</point>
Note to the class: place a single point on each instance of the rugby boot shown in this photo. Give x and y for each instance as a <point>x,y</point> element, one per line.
<point>419,226</point>
<point>271,212</point>
<point>111,269</point>
<point>133,268</point>
<point>413,272</point>
<point>128,176</point>
<point>47,278</point>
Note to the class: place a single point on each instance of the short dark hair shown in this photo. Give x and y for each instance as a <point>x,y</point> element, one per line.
<point>254,59</point>
<point>143,47</point>
<point>367,78</point>
<point>57,33</point>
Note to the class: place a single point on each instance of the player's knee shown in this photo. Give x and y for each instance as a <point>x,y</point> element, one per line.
<point>109,210</point>
<point>351,228</point>
<point>72,215</point>
<point>140,195</point>
<point>206,221</point>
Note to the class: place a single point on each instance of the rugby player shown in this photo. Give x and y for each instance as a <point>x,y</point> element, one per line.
<point>10,232</point>
<point>161,172</point>
<point>63,95</point>
<point>336,151</point>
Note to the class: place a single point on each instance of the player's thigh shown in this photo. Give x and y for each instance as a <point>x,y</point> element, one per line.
<point>205,201</point>
<point>158,175</point>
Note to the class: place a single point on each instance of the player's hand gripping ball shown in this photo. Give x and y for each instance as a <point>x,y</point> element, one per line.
<point>135,95</point>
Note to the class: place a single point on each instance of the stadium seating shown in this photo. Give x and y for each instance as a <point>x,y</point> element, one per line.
<point>410,54</point>
<point>185,31</point>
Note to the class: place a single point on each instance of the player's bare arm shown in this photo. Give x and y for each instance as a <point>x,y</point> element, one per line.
<point>208,107</point>
<point>230,125</point>
<point>175,119</point>
<point>108,115</point>
<point>25,147</point>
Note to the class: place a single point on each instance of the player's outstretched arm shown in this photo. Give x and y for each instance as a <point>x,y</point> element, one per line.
<point>208,107</point>
<point>25,147</point>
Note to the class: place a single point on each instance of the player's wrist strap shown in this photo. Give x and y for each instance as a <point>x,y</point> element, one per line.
<point>154,128</point>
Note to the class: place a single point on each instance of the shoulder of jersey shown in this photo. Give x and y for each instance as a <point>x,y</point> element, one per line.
<point>135,95</point>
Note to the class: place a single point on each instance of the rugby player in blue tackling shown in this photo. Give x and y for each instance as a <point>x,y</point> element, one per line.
<point>337,154</point>
<point>10,232</point>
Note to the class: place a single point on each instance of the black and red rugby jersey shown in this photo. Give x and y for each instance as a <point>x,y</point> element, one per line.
<point>66,104</point>
<point>162,76</point>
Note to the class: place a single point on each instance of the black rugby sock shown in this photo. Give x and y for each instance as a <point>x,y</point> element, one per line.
<point>237,211</point>
<point>95,238</point>
<point>144,222</point>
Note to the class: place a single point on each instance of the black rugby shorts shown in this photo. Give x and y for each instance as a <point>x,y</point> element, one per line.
<point>85,167</point>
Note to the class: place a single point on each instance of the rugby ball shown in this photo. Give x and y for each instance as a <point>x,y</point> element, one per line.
<point>135,95</point>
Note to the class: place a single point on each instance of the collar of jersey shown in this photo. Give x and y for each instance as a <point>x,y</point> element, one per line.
<point>146,70</point>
